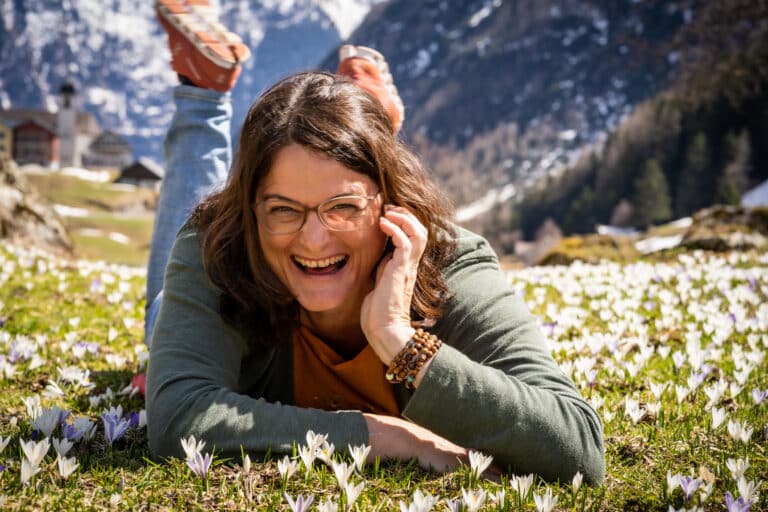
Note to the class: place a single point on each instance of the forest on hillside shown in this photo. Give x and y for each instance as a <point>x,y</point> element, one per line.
<point>698,143</point>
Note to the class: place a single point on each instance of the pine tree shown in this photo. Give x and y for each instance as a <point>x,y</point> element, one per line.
<point>735,178</point>
<point>580,217</point>
<point>692,187</point>
<point>651,199</point>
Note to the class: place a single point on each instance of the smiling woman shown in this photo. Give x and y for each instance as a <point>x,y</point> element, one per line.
<point>324,288</point>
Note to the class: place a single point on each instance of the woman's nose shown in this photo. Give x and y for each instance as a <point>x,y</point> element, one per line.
<point>314,234</point>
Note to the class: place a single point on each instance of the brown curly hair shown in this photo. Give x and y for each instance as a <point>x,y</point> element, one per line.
<point>330,115</point>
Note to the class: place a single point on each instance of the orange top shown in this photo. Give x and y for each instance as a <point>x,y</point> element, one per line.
<point>323,379</point>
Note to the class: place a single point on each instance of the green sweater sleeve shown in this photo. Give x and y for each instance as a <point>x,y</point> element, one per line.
<point>494,385</point>
<point>194,370</point>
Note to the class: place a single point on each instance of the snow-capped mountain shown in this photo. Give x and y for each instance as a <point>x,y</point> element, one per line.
<point>503,93</point>
<point>115,53</point>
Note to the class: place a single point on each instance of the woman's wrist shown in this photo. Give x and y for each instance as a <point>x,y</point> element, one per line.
<point>390,342</point>
<point>410,362</point>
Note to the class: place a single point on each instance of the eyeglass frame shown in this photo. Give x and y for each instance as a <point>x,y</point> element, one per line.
<point>316,209</point>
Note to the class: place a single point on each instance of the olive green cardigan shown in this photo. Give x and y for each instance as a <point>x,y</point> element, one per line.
<point>493,386</point>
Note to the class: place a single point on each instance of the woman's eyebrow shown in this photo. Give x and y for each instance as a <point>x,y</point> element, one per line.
<point>282,198</point>
<point>340,194</point>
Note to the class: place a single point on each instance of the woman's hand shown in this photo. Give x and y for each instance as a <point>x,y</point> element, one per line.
<point>385,315</point>
<point>396,438</point>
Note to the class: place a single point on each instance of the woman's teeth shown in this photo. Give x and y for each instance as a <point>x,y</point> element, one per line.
<point>318,263</point>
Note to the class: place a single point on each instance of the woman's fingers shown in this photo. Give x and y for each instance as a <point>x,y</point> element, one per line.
<point>406,231</point>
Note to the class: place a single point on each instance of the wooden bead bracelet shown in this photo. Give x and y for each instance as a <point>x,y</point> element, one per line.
<point>411,359</point>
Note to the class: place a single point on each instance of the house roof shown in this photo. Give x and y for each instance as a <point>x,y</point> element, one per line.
<point>145,164</point>
<point>85,123</point>
<point>39,122</point>
<point>109,142</point>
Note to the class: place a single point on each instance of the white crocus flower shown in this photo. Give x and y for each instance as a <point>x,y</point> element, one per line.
<point>325,452</point>
<point>359,454</point>
<point>479,462</point>
<point>658,389</point>
<point>4,442</point>
<point>67,466</point>
<point>576,481</point>
<point>681,392</point>
<point>352,492</point>
<point>473,499</point>
<point>343,471</point>
<point>32,403</point>
<point>28,470</point>
<point>62,446</point>
<point>246,464</point>
<point>190,445</point>
<point>421,502</point>
<point>327,506</point>
<point>673,481</point>
<point>737,467</point>
<point>522,484</point>
<point>718,417</point>
<point>315,441</point>
<point>738,432</point>
<point>35,451</point>
<point>307,455</point>
<point>53,390</point>
<point>748,489</point>
<point>545,502</point>
<point>287,467</point>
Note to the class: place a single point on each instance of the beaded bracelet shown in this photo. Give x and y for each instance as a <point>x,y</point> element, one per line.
<point>411,359</point>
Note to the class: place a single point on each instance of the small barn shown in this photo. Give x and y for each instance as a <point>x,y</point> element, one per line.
<point>142,173</point>
<point>108,149</point>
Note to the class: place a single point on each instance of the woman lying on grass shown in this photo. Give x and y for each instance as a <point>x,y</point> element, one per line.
<point>324,288</point>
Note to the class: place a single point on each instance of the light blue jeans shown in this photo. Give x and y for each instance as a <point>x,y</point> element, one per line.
<point>198,153</point>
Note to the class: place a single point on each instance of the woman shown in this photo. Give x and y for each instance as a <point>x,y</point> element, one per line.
<point>292,296</point>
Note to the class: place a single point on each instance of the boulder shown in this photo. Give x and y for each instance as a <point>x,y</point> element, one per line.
<point>27,219</point>
<point>724,228</point>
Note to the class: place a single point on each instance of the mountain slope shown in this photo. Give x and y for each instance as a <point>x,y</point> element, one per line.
<point>501,93</point>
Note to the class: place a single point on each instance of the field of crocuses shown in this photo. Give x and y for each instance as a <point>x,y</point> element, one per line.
<point>670,353</point>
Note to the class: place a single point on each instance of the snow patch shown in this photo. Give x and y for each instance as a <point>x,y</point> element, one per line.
<point>85,174</point>
<point>658,243</point>
<point>346,15</point>
<point>70,211</point>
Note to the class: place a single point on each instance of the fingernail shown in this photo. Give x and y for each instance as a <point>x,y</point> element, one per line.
<point>388,207</point>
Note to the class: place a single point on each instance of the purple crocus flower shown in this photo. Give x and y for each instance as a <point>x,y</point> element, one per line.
<point>200,464</point>
<point>302,502</point>
<point>689,485</point>
<point>133,419</point>
<point>759,395</point>
<point>114,427</point>
<point>736,505</point>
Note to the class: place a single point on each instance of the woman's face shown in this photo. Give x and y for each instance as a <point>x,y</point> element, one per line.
<point>327,271</point>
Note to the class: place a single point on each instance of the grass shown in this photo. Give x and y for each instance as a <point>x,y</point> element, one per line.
<point>117,210</point>
<point>632,324</point>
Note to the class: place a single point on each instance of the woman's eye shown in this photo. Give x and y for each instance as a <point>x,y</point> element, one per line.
<point>283,210</point>
<point>345,207</point>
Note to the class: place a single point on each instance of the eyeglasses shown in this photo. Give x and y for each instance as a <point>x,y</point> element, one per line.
<point>281,216</point>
